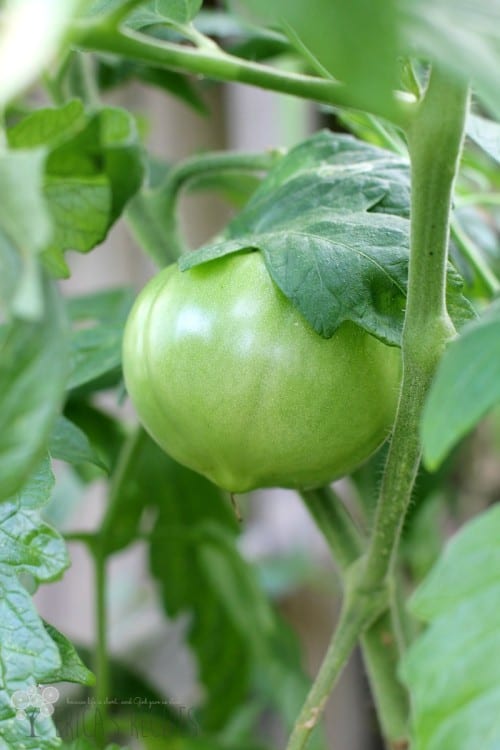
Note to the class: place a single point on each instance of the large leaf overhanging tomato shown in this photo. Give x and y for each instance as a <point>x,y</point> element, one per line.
<point>231,381</point>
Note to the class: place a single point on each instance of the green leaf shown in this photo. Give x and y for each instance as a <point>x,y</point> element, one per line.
<point>460,36</point>
<point>104,432</point>
<point>96,348</point>
<point>486,134</point>
<point>466,387</point>
<point>93,168</point>
<point>68,443</point>
<point>72,668</point>
<point>354,42</point>
<point>21,187</point>
<point>451,670</point>
<point>185,503</point>
<point>47,127</point>
<point>344,256</point>
<point>33,365</point>
<point>154,12</point>
<point>28,655</point>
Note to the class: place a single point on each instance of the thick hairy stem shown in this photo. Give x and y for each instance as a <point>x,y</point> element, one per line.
<point>435,140</point>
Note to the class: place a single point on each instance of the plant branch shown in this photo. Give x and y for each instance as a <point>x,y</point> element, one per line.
<point>380,645</point>
<point>219,65</point>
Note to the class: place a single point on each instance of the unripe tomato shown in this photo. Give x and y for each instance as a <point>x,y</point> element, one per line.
<point>230,380</point>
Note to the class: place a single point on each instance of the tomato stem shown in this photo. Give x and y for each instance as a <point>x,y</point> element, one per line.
<point>435,138</point>
<point>380,645</point>
<point>435,141</point>
<point>106,36</point>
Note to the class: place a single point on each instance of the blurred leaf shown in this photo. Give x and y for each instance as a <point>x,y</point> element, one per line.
<point>107,306</point>
<point>104,432</point>
<point>137,482</point>
<point>33,362</point>
<point>72,668</point>
<point>96,350</point>
<point>68,443</point>
<point>344,255</point>
<point>48,127</point>
<point>486,134</point>
<point>450,670</point>
<point>459,36</point>
<point>29,37</point>
<point>28,655</point>
<point>93,169</point>
<point>185,503</point>
<point>154,12</point>
<point>21,187</point>
<point>466,386</point>
<point>355,42</point>
<point>188,503</point>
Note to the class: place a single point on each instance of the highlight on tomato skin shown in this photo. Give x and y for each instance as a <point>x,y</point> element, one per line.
<point>231,381</point>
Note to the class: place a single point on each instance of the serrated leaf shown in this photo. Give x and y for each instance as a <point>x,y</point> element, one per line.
<point>33,365</point>
<point>69,443</point>
<point>93,168</point>
<point>72,668</point>
<point>80,209</point>
<point>466,387</point>
<point>28,655</point>
<point>345,255</point>
<point>451,671</point>
<point>486,134</point>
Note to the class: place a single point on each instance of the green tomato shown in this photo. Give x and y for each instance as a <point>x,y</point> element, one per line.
<point>231,381</point>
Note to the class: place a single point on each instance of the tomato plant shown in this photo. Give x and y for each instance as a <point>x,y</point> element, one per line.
<point>349,302</point>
